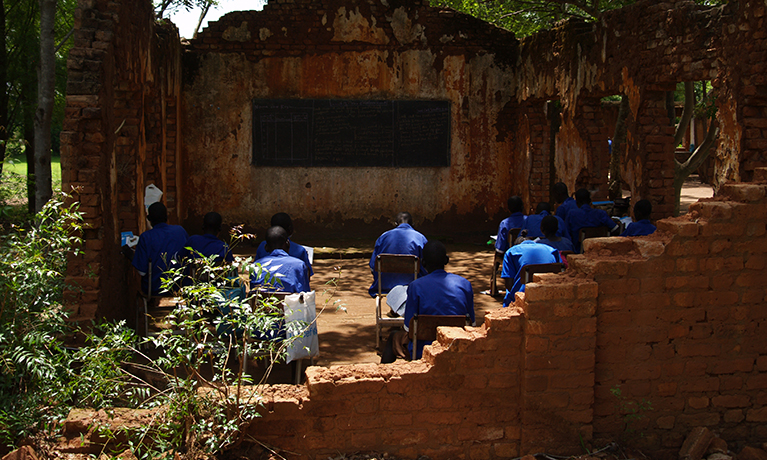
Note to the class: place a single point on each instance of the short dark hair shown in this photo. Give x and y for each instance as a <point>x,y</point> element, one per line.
<point>642,210</point>
<point>276,237</point>
<point>157,213</point>
<point>515,204</point>
<point>560,192</point>
<point>282,219</point>
<point>434,255</point>
<point>549,226</point>
<point>582,196</point>
<point>212,222</point>
<point>404,218</point>
<point>543,206</point>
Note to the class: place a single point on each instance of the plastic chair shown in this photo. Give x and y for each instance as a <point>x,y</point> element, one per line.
<point>392,263</point>
<point>424,327</point>
<point>498,261</point>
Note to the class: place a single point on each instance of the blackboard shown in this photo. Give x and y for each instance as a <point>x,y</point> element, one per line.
<point>362,133</point>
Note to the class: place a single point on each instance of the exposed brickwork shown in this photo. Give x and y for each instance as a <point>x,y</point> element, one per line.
<point>676,319</point>
<point>119,135</point>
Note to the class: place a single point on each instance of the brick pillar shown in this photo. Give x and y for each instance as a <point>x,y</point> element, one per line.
<point>559,343</point>
<point>648,166</point>
<point>582,159</point>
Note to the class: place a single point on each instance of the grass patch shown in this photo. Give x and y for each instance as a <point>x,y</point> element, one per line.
<point>13,187</point>
<point>19,166</point>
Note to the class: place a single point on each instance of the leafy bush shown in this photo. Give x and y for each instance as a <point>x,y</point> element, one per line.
<point>33,361</point>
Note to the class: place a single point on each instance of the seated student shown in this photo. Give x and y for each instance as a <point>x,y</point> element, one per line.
<point>280,272</point>
<point>403,239</point>
<point>586,216</point>
<point>549,227</point>
<point>160,245</point>
<point>208,244</point>
<point>438,293</point>
<point>642,225</point>
<point>533,222</point>
<point>515,220</point>
<point>526,253</point>
<point>565,203</point>
<point>283,220</point>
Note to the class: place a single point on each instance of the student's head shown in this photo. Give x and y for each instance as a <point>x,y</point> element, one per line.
<point>403,218</point>
<point>157,214</point>
<point>434,256</point>
<point>276,238</point>
<point>549,226</point>
<point>515,204</point>
<point>283,220</point>
<point>560,192</point>
<point>211,223</point>
<point>543,206</point>
<point>642,210</point>
<point>582,196</point>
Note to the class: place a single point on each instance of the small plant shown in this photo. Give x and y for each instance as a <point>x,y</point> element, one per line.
<point>631,411</point>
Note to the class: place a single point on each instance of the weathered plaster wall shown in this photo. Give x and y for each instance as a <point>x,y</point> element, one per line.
<point>349,50</point>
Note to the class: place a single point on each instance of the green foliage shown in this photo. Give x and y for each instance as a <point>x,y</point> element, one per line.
<point>526,17</point>
<point>631,411</point>
<point>33,362</point>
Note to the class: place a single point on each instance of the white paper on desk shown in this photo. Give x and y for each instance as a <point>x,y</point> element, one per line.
<point>310,253</point>
<point>152,195</point>
<point>494,237</point>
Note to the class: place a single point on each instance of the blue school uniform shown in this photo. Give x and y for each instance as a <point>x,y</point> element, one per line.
<point>533,225</point>
<point>288,274</point>
<point>526,253</point>
<point>586,216</point>
<point>516,220</point>
<point>161,245</point>
<point>563,209</point>
<point>562,245</point>
<point>402,239</point>
<point>639,228</point>
<point>295,250</point>
<point>438,293</point>
<point>208,245</point>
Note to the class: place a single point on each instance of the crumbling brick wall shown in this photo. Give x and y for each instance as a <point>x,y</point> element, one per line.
<point>675,319</point>
<point>119,135</point>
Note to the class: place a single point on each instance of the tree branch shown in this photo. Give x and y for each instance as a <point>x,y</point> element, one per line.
<point>689,106</point>
<point>704,149</point>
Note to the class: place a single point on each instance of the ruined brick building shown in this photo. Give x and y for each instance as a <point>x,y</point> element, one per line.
<point>142,108</point>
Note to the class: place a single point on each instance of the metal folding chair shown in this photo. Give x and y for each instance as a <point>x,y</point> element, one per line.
<point>391,263</point>
<point>424,327</point>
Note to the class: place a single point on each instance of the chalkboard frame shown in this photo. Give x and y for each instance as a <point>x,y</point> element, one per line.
<point>351,133</point>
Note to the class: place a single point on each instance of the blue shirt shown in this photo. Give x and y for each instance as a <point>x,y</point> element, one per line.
<point>562,245</point>
<point>526,253</point>
<point>516,220</point>
<point>403,239</point>
<point>438,293</point>
<point>288,274</point>
<point>208,245</point>
<point>533,225</point>
<point>563,209</point>
<point>160,245</point>
<point>586,216</point>
<point>295,250</point>
<point>639,228</point>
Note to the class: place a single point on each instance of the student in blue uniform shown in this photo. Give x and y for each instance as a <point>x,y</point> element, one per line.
<point>403,239</point>
<point>283,220</point>
<point>160,245</point>
<point>526,253</point>
<point>586,216</point>
<point>438,293</point>
<point>549,227</point>
<point>287,273</point>
<point>565,203</point>
<point>515,220</point>
<point>533,222</point>
<point>208,244</point>
<point>641,226</point>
